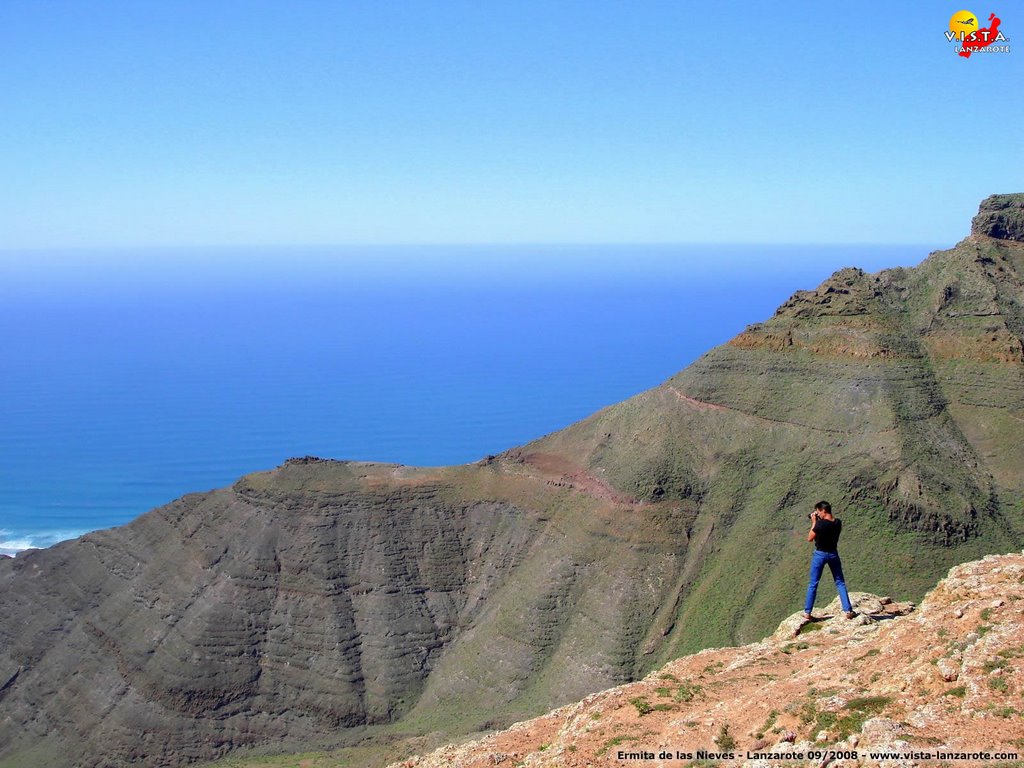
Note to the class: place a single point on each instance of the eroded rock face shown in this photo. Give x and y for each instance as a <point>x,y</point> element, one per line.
<point>948,677</point>
<point>324,596</point>
<point>315,598</point>
<point>268,610</point>
<point>1001,217</point>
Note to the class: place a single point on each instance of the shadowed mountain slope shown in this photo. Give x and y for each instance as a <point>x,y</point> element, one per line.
<point>304,604</point>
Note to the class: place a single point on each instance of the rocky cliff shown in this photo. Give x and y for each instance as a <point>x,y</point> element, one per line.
<point>326,600</point>
<point>886,688</point>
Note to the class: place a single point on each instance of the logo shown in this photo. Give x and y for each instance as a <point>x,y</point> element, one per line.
<point>970,38</point>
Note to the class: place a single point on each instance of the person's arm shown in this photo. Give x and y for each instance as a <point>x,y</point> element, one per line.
<point>814,522</point>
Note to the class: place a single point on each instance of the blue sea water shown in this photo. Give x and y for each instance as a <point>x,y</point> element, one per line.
<point>129,378</point>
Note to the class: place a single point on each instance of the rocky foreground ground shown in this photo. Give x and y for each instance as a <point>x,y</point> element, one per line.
<point>942,684</point>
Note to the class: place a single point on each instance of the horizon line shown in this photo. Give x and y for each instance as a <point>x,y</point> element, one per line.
<point>468,244</point>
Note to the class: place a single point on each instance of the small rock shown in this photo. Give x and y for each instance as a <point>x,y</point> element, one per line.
<point>832,703</point>
<point>880,729</point>
<point>789,627</point>
<point>789,736</point>
<point>949,670</point>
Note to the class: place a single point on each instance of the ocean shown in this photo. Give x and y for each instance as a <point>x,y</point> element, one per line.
<point>131,377</point>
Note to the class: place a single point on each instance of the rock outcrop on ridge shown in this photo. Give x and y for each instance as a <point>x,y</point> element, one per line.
<point>311,602</point>
<point>948,677</point>
<point>1001,217</point>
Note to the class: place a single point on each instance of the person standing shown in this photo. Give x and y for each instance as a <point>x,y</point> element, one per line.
<point>825,530</point>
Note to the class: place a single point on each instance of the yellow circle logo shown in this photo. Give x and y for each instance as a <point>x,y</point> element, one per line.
<point>963,23</point>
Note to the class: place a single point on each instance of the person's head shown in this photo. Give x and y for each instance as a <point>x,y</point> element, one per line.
<point>823,508</point>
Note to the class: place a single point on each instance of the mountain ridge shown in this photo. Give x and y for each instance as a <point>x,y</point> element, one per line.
<point>322,598</point>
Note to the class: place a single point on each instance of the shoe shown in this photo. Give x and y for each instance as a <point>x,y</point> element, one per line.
<point>850,614</point>
<point>808,616</point>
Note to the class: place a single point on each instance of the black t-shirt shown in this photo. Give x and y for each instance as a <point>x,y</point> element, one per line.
<point>826,534</point>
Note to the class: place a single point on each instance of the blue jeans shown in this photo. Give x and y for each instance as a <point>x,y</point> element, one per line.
<point>817,566</point>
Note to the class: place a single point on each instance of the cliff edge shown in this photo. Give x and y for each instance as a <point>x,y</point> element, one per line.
<point>946,678</point>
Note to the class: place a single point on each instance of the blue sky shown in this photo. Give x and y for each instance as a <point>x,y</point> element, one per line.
<point>198,123</point>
